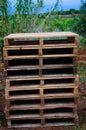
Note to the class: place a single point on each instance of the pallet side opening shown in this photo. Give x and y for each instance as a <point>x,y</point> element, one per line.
<point>57,51</point>
<point>24,112</point>
<point>23,62</point>
<point>59,100</point>
<point>59,40</point>
<point>22,52</point>
<point>25,102</point>
<point>57,61</point>
<point>24,82</point>
<point>58,110</point>
<point>22,72</point>
<point>26,122</point>
<point>24,92</point>
<point>21,42</point>
<point>61,120</point>
<point>57,71</point>
<point>59,81</point>
<point>58,91</point>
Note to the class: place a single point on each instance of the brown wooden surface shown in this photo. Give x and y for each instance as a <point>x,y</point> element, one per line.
<point>42,93</point>
<point>41,35</point>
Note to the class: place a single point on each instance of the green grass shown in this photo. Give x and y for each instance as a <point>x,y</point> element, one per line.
<point>82,73</point>
<point>55,24</point>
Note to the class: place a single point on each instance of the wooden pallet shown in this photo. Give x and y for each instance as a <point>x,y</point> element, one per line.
<point>42,82</point>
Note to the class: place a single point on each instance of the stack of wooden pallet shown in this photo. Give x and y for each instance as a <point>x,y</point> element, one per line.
<point>41,84</point>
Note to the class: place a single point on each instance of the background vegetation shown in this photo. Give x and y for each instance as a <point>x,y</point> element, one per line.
<point>27,18</point>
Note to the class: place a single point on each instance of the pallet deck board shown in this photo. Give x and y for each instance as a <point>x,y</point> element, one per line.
<point>17,117</point>
<point>46,125</point>
<point>59,115</point>
<point>63,95</point>
<point>36,56</point>
<point>40,35</point>
<point>47,116</point>
<point>31,47</point>
<point>47,106</point>
<point>37,67</point>
<point>33,87</point>
<point>40,78</point>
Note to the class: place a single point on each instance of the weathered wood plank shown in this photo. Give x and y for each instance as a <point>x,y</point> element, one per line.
<point>60,115</point>
<point>23,97</point>
<point>40,35</point>
<point>31,47</point>
<point>47,106</point>
<point>27,116</point>
<point>52,66</point>
<point>35,87</point>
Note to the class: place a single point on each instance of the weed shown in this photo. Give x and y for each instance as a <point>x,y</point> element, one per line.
<point>81,118</point>
<point>65,127</point>
<point>76,128</point>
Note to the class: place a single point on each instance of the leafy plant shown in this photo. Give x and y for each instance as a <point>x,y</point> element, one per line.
<point>81,118</point>
<point>76,128</point>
